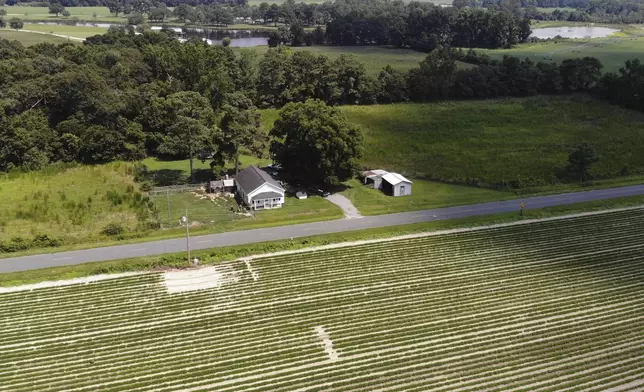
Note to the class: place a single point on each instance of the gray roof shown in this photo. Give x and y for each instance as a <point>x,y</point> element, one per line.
<point>266,195</point>
<point>252,178</point>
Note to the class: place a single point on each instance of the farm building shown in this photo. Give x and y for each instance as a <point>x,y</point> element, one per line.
<point>222,186</point>
<point>392,184</point>
<point>374,177</point>
<point>258,189</point>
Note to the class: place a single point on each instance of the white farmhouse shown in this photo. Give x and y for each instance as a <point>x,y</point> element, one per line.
<point>258,189</point>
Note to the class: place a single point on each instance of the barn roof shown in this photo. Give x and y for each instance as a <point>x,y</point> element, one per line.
<point>395,178</point>
<point>375,173</point>
<point>252,178</point>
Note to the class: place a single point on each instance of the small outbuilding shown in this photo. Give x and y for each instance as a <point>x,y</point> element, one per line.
<point>258,190</point>
<point>392,184</point>
<point>374,177</point>
<point>395,184</point>
<point>222,186</point>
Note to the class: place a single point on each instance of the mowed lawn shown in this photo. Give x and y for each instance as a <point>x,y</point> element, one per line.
<point>425,195</point>
<point>214,213</point>
<point>73,203</point>
<point>29,39</point>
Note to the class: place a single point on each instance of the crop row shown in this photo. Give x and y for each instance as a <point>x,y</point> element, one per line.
<point>548,306</point>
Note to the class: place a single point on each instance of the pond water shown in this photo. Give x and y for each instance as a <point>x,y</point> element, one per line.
<point>239,38</point>
<point>573,32</point>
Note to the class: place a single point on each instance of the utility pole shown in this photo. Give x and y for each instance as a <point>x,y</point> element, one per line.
<point>187,222</point>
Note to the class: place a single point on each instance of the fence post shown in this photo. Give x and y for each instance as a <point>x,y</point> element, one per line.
<point>167,194</point>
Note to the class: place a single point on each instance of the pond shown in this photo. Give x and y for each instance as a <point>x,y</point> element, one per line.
<point>239,38</point>
<point>573,32</point>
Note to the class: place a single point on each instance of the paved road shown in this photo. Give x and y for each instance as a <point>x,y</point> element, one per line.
<point>307,229</point>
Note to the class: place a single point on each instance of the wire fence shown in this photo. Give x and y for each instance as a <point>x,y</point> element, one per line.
<point>202,208</point>
<point>177,188</point>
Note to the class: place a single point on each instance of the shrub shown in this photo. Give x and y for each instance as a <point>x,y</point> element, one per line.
<point>113,229</point>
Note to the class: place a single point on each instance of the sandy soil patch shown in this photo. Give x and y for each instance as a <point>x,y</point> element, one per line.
<point>199,279</point>
<point>327,343</point>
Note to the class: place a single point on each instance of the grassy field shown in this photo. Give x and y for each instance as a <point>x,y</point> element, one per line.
<point>73,203</point>
<point>29,39</point>
<point>521,307</point>
<point>498,141</point>
<point>82,13</point>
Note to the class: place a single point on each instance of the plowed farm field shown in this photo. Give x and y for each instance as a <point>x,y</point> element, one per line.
<point>555,305</point>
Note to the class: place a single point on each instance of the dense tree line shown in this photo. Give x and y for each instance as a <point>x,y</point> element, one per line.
<point>126,96</point>
<point>421,26</point>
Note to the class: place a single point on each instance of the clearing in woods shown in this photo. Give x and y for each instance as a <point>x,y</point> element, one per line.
<point>547,306</point>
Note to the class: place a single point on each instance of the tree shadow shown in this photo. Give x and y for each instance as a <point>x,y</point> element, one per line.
<point>165,177</point>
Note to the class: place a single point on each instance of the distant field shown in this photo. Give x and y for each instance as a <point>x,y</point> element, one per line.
<point>546,306</point>
<point>612,52</point>
<point>73,203</point>
<point>29,39</point>
<point>374,58</point>
<point>42,13</point>
<point>72,31</point>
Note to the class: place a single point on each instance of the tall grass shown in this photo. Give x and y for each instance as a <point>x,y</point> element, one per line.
<point>71,203</point>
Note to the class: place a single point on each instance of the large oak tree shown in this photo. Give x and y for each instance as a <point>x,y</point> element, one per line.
<point>315,144</point>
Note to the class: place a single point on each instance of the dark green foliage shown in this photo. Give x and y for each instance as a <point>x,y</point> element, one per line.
<point>56,9</point>
<point>315,144</point>
<point>16,23</point>
<point>241,128</point>
<point>581,158</point>
<point>113,229</point>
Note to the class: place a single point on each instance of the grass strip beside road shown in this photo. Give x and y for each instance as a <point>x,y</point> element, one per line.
<point>216,255</point>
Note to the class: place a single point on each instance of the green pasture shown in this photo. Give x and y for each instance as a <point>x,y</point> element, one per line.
<point>69,203</point>
<point>29,39</point>
<point>498,141</point>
